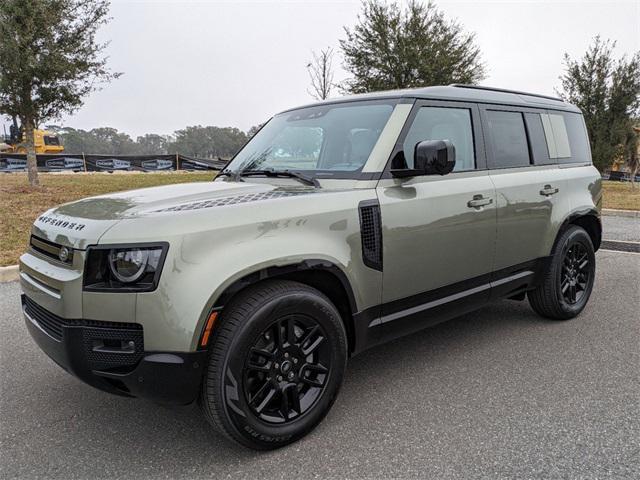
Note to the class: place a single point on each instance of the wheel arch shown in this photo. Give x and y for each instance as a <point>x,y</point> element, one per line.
<point>322,275</point>
<point>589,220</point>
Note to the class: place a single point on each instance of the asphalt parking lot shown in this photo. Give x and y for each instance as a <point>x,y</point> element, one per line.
<point>623,229</point>
<point>499,393</point>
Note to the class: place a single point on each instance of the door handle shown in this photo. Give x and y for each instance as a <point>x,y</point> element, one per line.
<point>548,190</point>
<point>479,201</point>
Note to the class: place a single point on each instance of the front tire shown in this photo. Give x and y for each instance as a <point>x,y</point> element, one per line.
<point>276,364</point>
<point>568,280</point>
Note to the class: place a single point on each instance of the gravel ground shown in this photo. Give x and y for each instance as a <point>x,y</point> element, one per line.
<point>499,393</point>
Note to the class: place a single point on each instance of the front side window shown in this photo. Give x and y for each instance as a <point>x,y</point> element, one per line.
<point>332,139</point>
<point>508,140</point>
<point>442,123</point>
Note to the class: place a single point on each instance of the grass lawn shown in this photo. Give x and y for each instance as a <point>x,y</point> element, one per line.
<point>621,196</point>
<point>20,204</point>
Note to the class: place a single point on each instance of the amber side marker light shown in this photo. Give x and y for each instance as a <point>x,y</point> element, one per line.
<point>207,329</point>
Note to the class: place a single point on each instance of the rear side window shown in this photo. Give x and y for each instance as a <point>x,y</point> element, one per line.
<point>555,131</point>
<point>537,140</point>
<point>566,137</point>
<point>578,139</point>
<point>508,140</point>
<point>442,123</point>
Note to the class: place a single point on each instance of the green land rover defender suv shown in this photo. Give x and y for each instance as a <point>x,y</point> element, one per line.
<point>338,226</point>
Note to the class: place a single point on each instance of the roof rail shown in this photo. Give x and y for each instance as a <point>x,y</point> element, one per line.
<point>504,90</point>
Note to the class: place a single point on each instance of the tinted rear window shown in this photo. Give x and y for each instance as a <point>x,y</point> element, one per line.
<point>537,140</point>
<point>508,140</point>
<point>566,137</point>
<point>578,139</point>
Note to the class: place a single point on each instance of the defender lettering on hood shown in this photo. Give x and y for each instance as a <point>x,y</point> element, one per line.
<point>59,222</point>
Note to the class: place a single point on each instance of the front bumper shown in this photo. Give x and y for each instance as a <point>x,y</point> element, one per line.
<point>111,357</point>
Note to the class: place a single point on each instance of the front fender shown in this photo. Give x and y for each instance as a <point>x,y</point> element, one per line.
<point>202,264</point>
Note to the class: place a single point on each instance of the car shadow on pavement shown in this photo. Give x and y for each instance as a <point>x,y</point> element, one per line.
<point>384,371</point>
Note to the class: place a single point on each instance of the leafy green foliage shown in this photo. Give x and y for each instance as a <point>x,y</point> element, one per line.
<point>152,143</point>
<point>103,140</point>
<point>393,47</point>
<point>49,57</point>
<point>197,141</point>
<point>49,60</point>
<point>253,130</point>
<point>608,93</point>
<point>208,142</point>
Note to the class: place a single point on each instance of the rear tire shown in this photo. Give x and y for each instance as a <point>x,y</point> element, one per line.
<point>568,279</point>
<point>276,363</point>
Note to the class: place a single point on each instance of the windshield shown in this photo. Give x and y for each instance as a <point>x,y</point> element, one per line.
<point>51,140</point>
<point>327,138</point>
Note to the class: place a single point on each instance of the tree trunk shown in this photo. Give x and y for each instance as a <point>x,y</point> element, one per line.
<point>32,163</point>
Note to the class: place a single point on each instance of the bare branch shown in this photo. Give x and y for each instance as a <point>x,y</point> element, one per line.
<point>321,74</point>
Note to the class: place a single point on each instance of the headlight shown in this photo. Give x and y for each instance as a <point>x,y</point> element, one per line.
<point>128,265</point>
<point>131,268</point>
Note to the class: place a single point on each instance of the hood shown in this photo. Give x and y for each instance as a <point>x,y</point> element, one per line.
<point>82,223</point>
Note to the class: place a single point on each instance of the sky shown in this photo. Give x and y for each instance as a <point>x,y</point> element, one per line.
<point>236,63</point>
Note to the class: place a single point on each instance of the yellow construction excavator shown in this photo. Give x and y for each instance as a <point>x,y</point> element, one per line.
<point>43,140</point>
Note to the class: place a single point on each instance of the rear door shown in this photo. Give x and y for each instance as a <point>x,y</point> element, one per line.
<point>438,232</point>
<point>530,188</point>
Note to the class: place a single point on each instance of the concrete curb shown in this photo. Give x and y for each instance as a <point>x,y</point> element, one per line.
<point>621,213</point>
<point>9,274</point>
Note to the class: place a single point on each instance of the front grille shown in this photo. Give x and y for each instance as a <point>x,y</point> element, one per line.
<point>51,249</point>
<point>50,323</point>
<point>105,344</point>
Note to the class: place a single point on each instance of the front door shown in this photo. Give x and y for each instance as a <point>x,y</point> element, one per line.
<point>438,231</point>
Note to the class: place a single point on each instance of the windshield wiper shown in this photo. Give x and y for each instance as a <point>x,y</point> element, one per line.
<point>235,176</point>
<point>281,173</point>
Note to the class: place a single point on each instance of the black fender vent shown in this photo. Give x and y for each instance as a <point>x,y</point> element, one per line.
<point>371,234</point>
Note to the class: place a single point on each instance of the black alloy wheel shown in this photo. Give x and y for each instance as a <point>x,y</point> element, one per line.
<point>277,358</point>
<point>568,278</point>
<point>575,273</point>
<point>287,369</point>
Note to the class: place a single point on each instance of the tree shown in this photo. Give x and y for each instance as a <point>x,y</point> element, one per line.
<point>78,141</point>
<point>608,93</point>
<point>631,151</point>
<point>208,142</point>
<point>152,144</point>
<point>321,74</point>
<point>253,130</point>
<point>115,142</point>
<point>393,47</point>
<point>49,60</point>
<point>102,140</point>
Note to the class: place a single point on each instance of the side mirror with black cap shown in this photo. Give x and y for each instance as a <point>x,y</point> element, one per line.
<point>431,157</point>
